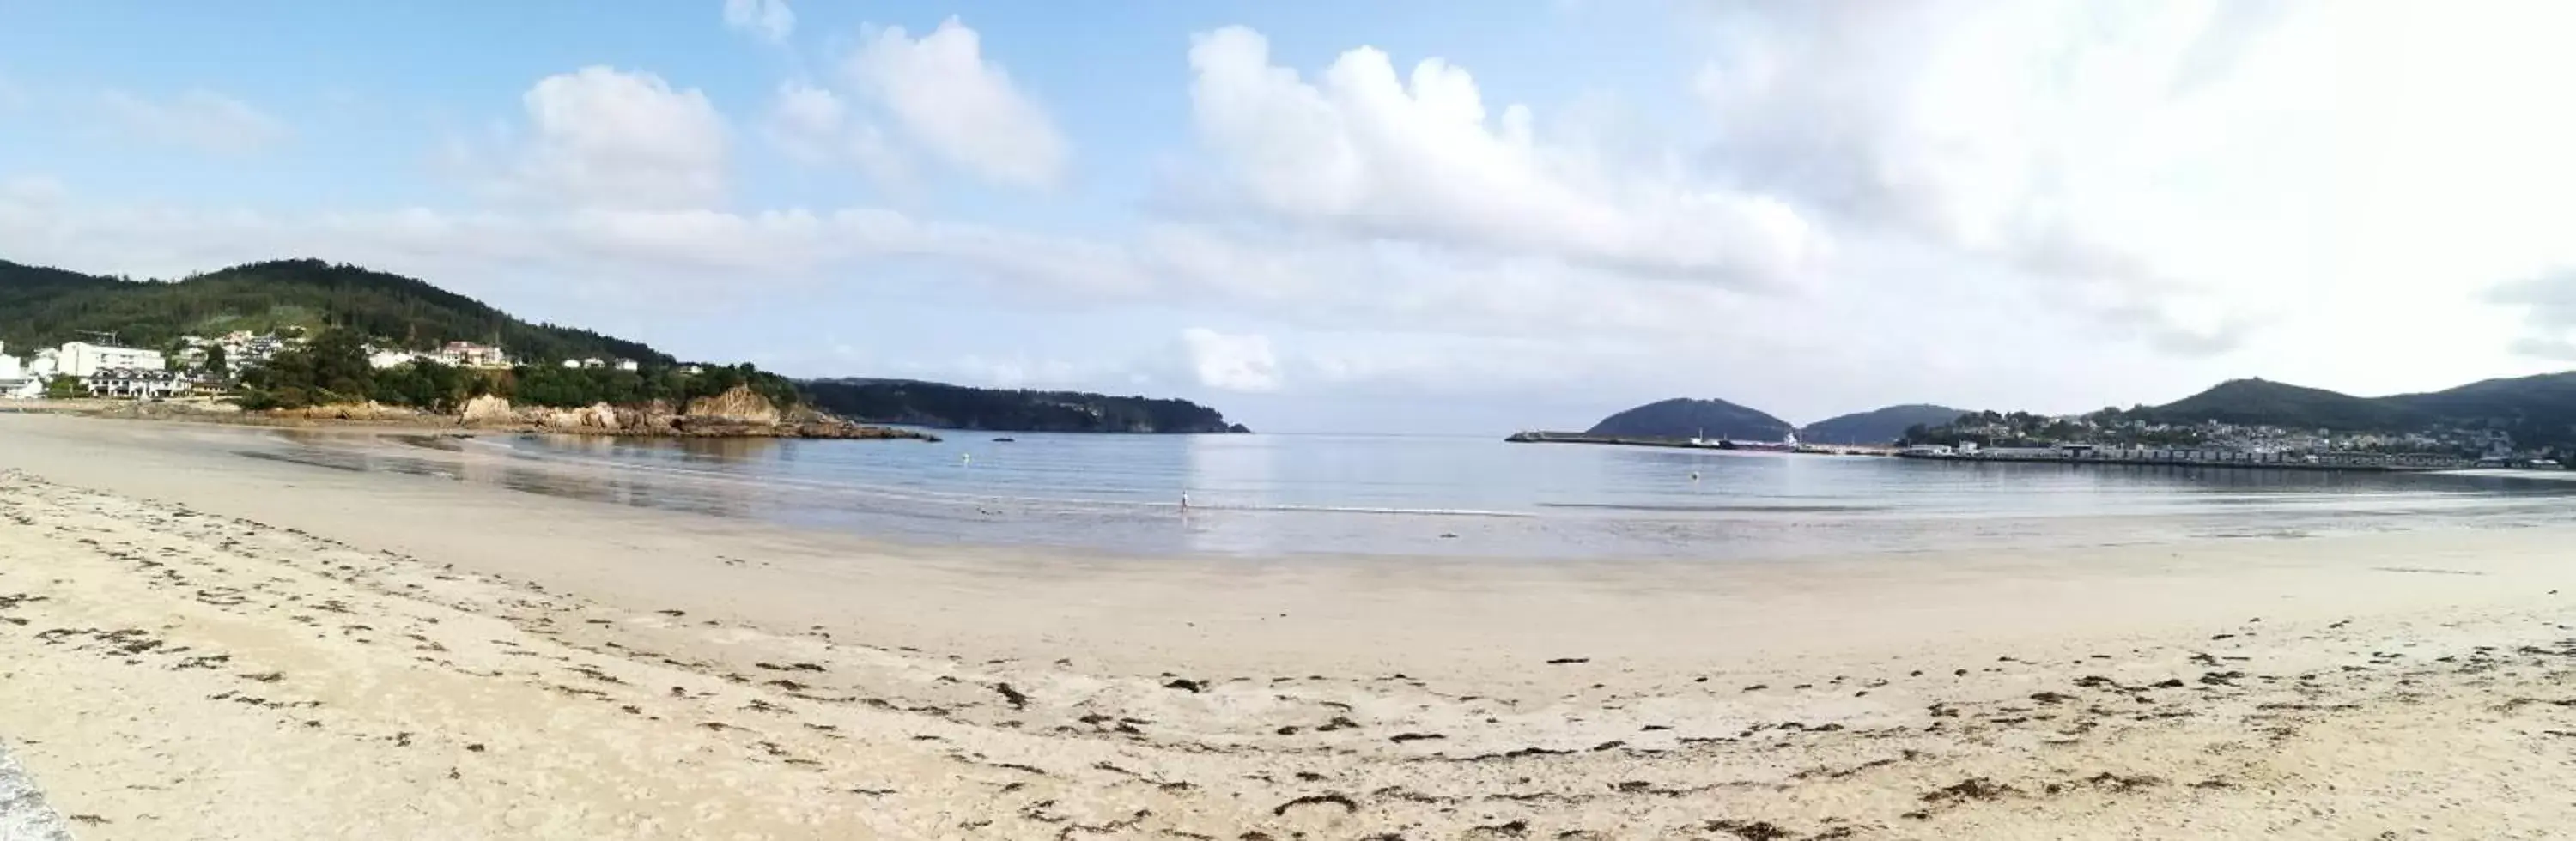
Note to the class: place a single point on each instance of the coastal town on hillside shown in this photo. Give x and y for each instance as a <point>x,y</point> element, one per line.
<point>2111,433</point>
<point>211,366</point>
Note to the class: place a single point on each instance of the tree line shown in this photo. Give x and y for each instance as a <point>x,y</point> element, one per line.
<point>42,307</point>
<point>962,407</point>
<point>333,368</point>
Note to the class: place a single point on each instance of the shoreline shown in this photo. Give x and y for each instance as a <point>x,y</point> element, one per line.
<point>406,420</point>
<point>553,671</point>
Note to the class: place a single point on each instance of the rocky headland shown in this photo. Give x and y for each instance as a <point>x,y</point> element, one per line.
<point>738,413</point>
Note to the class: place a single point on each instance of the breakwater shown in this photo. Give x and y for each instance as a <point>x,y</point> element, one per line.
<point>1679,443</point>
<point>1589,438</point>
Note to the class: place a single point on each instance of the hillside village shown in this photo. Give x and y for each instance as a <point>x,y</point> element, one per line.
<point>212,366</point>
<point>2117,429</point>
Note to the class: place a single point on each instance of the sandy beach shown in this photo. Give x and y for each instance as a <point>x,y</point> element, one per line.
<point>194,644</point>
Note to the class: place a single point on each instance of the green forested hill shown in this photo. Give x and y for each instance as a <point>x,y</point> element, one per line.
<point>1011,410</point>
<point>1682,417</point>
<point>1878,426</point>
<point>44,306</point>
<point>2257,402</point>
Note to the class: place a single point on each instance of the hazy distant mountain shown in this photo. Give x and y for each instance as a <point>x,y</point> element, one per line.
<point>1682,417</point>
<point>1877,426</point>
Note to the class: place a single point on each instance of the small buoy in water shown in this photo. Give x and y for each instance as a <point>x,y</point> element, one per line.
<point>1694,475</point>
<point>965,458</point>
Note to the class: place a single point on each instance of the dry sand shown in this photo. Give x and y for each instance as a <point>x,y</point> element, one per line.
<point>199,645</point>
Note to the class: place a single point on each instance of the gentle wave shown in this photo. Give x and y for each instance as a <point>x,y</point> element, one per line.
<point>1678,508</point>
<point>786,483</point>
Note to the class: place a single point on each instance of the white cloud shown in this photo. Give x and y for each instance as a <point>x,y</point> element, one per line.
<point>1364,151</point>
<point>661,249</point>
<point>1230,362</point>
<point>771,20</point>
<point>608,138</point>
<point>202,120</point>
<point>31,190</point>
<point>815,127</point>
<point>955,105</point>
<point>808,122</point>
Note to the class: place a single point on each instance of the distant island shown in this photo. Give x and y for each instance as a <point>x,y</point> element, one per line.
<point>310,337</point>
<point>1684,417</point>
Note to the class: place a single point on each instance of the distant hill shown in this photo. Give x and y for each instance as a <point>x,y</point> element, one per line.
<point>1683,417</point>
<point>1008,410</point>
<point>2536,410</point>
<point>2265,403</point>
<point>42,306</point>
<point>1878,426</point>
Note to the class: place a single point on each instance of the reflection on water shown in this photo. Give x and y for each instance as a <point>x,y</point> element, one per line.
<point>1274,495</point>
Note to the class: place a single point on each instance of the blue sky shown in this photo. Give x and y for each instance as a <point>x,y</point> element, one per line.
<point>1423,216</point>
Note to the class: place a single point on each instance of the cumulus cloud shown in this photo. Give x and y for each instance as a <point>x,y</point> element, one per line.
<point>1366,151</point>
<point>807,122</point>
<point>609,138</point>
<point>952,103</point>
<point>771,20</point>
<point>816,126</point>
<point>201,120</point>
<point>1229,362</point>
<point>674,249</point>
<point>2083,146</point>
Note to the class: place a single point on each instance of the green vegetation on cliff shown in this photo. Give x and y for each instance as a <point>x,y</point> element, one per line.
<point>333,368</point>
<point>44,306</point>
<point>1008,410</point>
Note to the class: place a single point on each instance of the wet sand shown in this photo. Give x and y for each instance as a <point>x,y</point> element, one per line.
<point>196,644</point>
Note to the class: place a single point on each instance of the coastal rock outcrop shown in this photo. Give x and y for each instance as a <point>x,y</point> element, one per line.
<point>737,413</point>
<point>596,416</point>
<point>487,409</point>
<point>367,411</point>
<point>739,404</point>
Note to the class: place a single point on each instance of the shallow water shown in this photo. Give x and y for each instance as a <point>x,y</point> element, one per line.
<point>1267,495</point>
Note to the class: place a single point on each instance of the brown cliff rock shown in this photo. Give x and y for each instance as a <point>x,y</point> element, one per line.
<point>739,404</point>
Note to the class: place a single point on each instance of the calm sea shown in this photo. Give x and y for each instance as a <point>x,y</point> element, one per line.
<point>1267,495</point>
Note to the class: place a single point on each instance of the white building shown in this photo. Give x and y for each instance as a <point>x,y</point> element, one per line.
<point>628,365</point>
<point>82,359</point>
<point>139,383</point>
<point>243,349</point>
<point>15,382</point>
<point>471,355</point>
<point>384,359</point>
